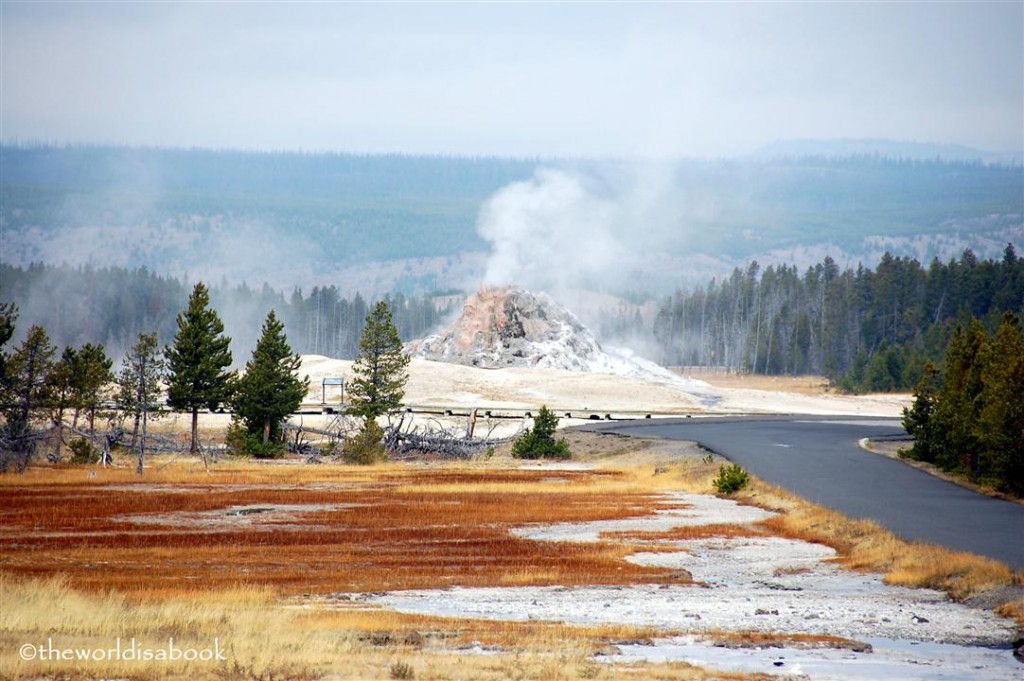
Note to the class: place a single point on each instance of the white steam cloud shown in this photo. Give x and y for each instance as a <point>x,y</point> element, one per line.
<point>550,232</point>
<point>607,230</point>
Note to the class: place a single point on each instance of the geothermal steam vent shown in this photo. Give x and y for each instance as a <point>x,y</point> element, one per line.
<point>506,326</point>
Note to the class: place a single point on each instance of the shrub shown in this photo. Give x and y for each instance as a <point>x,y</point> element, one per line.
<point>241,442</point>
<point>402,670</point>
<point>367,447</point>
<point>730,479</point>
<point>83,451</point>
<point>539,442</point>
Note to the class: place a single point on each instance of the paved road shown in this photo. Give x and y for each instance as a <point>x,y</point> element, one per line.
<point>819,459</point>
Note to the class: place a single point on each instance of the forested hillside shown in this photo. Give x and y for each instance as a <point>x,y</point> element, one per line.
<point>296,219</point>
<point>170,210</point>
<point>869,329</point>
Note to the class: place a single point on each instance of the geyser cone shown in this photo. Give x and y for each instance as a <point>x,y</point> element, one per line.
<point>509,326</point>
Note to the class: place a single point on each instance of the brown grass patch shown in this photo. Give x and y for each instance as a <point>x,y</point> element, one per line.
<point>1014,610</point>
<point>714,530</point>
<point>767,639</point>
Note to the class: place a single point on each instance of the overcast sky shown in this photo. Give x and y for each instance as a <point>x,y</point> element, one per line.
<point>512,79</point>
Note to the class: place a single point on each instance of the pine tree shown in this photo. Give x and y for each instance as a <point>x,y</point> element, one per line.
<point>919,418</point>
<point>62,394</point>
<point>539,442</point>
<point>8,315</point>
<point>197,361</point>
<point>270,390</point>
<point>381,368</point>
<point>999,428</point>
<point>89,376</point>
<point>142,370</point>
<point>957,405</point>
<point>367,447</point>
<point>28,382</point>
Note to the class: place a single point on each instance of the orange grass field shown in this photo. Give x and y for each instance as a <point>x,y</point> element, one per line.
<point>354,530</point>
<point>254,553</point>
<point>262,556</point>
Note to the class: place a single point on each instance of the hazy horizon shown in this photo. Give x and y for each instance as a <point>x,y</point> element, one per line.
<point>839,147</point>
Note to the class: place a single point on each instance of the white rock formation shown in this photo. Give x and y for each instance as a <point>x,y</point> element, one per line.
<point>505,326</point>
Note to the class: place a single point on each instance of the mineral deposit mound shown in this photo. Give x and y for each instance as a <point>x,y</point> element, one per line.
<point>510,327</point>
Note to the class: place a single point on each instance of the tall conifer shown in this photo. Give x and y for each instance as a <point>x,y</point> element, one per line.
<point>999,428</point>
<point>919,418</point>
<point>29,387</point>
<point>382,367</point>
<point>270,390</point>
<point>91,374</point>
<point>197,361</point>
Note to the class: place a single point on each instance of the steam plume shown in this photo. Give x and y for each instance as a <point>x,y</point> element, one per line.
<point>549,233</point>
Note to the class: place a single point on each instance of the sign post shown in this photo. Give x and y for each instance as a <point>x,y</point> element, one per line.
<point>338,381</point>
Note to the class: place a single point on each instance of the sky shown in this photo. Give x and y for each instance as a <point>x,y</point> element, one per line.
<point>522,79</point>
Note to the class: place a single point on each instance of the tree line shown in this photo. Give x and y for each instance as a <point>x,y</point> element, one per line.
<point>37,390</point>
<point>112,305</point>
<point>967,417</point>
<point>867,330</point>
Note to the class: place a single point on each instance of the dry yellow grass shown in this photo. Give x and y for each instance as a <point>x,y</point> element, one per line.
<point>305,640</point>
<point>865,545</point>
<point>690,532</point>
<point>860,544</point>
<point>801,385</point>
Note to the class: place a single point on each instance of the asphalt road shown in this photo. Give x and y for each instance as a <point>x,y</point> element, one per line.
<point>819,459</point>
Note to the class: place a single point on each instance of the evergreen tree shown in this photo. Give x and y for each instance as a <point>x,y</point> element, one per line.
<point>367,447</point>
<point>62,394</point>
<point>884,371</point>
<point>999,428</point>
<point>28,376</point>
<point>958,404</point>
<point>381,369</point>
<point>142,370</point>
<point>864,329</point>
<point>197,361</point>
<point>90,374</point>
<point>539,442</point>
<point>919,418</point>
<point>974,422</point>
<point>8,315</point>
<point>270,390</point>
